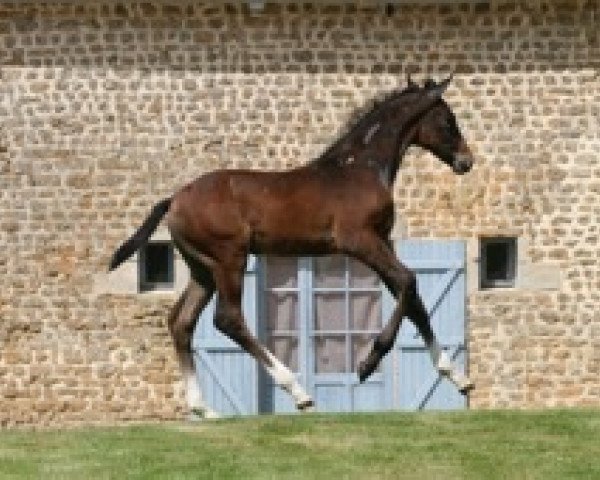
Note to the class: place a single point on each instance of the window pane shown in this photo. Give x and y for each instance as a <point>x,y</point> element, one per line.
<point>365,311</point>
<point>362,276</point>
<point>497,261</point>
<point>158,263</point>
<point>499,258</point>
<point>285,349</point>
<point>282,311</point>
<point>330,354</point>
<point>330,272</point>
<point>330,311</point>
<point>282,272</point>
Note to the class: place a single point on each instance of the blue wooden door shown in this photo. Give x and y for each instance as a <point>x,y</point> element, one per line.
<point>282,330</point>
<point>440,269</point>
<point>321,315</point>
<point>318,316</point>
<point>345,313</point>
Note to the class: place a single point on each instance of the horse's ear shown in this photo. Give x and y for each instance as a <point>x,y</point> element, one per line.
<point>430,94</point>
<point>444,84</point>
<point>436,91</point>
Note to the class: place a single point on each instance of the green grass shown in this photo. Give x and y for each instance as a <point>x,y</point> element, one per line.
<point>553,444</point>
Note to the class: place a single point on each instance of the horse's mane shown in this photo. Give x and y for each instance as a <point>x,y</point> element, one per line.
<point>368,114</point>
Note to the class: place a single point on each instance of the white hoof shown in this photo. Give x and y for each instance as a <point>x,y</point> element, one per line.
<point>462,382</point>
<point>198,413</point>
<point>306,406</point>
<point>444,365</point>
<point>465,386</point>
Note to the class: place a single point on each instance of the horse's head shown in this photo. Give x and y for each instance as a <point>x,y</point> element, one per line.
<point>412,116</point>
<point>437,131</point>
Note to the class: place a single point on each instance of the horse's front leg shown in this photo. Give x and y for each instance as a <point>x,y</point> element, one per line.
<point>378,254</point>
<point>419,316</point>
<point>229,320</point>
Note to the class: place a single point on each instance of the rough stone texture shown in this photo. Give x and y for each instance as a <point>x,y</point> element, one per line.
<point>105,107</point>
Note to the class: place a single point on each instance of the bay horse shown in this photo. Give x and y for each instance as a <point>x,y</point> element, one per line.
<point>340,202</point>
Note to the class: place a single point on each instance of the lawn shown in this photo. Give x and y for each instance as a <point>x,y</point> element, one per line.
<point>552,444</point>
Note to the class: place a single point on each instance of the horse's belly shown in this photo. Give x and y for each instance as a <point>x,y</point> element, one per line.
<point>292,234</point>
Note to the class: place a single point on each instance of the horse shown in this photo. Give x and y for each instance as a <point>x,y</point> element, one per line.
<point>340,202</point>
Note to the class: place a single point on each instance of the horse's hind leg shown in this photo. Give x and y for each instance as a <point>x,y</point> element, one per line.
<point>182,322</point>
<point>230,321</point>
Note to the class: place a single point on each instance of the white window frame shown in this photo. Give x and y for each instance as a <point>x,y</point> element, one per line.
<point>306,291</point>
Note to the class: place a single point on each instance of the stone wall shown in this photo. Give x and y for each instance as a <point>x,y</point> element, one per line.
<point>105,107</point>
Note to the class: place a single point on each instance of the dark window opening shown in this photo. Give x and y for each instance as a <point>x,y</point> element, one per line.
<point>498,262</point>
<point>157,270</point>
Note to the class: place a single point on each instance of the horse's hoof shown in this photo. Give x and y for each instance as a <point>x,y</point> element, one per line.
<point>365,370</point>
<point>466,387</point>
<point>306,406</point>
<point>198,413</point>
<point>194,416</point>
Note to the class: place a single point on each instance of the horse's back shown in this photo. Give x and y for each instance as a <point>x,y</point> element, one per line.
<point>278,212</point>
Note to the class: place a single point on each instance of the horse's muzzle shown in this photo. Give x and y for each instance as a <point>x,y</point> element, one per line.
<point>462,163</point>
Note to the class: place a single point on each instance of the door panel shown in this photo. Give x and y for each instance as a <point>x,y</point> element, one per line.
<point>279,292</point>
<point>319,317</point>
<point>440,269</point>
<point>346,315</point>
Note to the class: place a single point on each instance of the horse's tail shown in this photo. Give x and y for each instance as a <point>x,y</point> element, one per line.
<point>139,238</point>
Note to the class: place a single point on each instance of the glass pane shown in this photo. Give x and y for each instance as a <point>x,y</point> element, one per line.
<point>330,272</point>
<point>362,276</point>
<point>285,349</point>
<point>497,261</point>
<point>158,263</point>
<point>282,272</point>
<point>330,311</point>
<point>282,310</point>
<point>330,354</point>
<point>361,346</point>
<point>365,310</point>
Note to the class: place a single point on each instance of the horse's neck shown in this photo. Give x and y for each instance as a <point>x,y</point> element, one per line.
<point>351,143</point>
<point>376,145</point>
<point>383,152</point>
<point>361,146</point>
<point>406,138</point>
